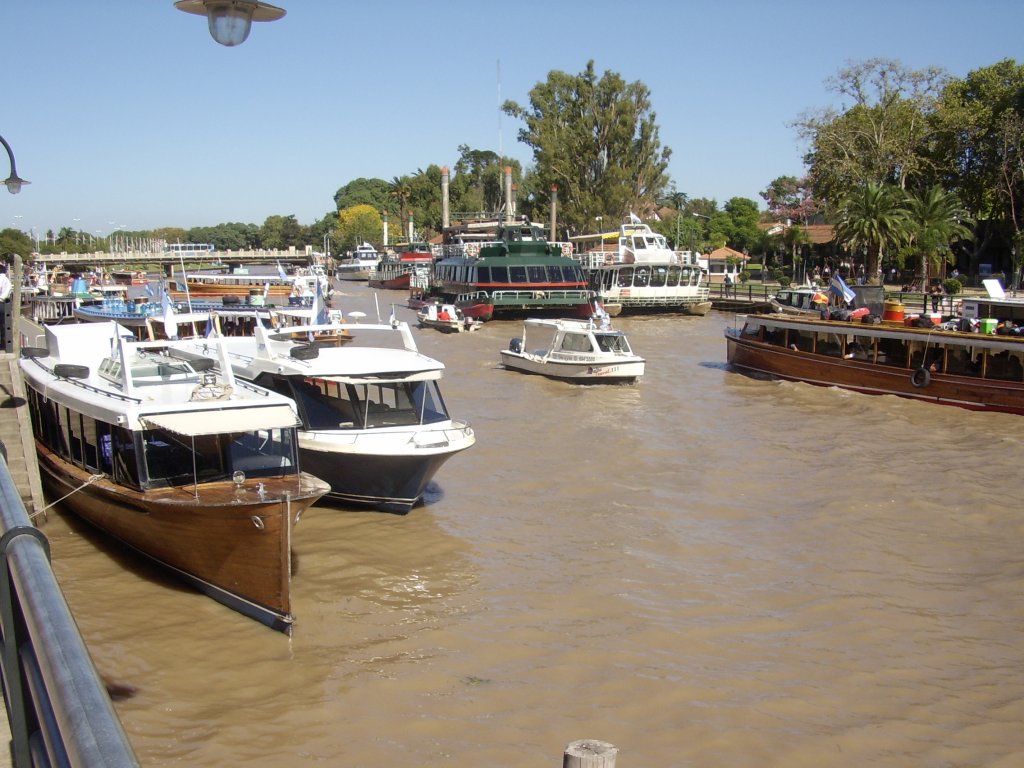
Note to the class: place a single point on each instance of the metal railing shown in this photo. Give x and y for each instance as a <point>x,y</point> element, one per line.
<point>59,711</point>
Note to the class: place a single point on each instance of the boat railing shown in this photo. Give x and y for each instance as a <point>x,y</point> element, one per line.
<point>59,710</point>
<point>541,296</point>
<point>89,387</point>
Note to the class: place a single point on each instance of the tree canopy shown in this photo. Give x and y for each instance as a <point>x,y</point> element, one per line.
<point>597,140</point>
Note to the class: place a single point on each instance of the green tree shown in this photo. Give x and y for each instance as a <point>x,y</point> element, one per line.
<point>873,217</point>
<point>399,192</point>
<point>477,184</point>
<point>739,224</point>
<point>597,140</point>
<point>935,219</point>
<point>14,241</point>
<point>358,224</point>
<point>362,191</point>
<point>281,232</point>
<point>880,139</point>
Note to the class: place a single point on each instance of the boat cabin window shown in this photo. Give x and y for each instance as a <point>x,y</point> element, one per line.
<point>625,277</point>
<point>332,405</point>
<point>659,276</point>
<point>173,460</point>
<point>517,274</point>
<point>801,340</point>
<point>499,274</point>
<point>537,274</point>
<point>577,342</point>
<point>612,342</point>
<point>892,352</point>
<point>641,277</point>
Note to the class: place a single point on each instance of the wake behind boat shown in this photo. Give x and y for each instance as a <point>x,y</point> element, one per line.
<point>573,350</point>
<point>196,471</point>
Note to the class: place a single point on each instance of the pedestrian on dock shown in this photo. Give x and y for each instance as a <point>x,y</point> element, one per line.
<point>5,284</point>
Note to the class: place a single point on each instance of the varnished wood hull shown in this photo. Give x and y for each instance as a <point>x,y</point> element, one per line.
<point>969,392</point>
<point>232,545</point>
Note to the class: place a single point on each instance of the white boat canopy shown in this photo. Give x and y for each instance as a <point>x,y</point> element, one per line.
<point>196,423</point>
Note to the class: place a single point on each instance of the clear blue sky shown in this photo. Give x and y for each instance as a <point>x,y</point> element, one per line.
<point>125,113</point>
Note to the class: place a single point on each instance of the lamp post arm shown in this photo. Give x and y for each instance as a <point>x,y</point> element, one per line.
<point>14,184</point>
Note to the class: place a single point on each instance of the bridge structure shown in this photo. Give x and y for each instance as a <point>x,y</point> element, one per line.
<point>295,256</point>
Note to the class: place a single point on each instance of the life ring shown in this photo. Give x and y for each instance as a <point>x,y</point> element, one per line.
<point>921,378</point>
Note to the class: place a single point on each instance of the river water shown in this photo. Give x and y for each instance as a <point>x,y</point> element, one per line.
<point>702,569</point>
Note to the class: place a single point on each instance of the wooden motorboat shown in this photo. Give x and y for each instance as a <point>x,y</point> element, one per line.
<point>573,350</point>
<point>979,371</point>
<point>192,468</point>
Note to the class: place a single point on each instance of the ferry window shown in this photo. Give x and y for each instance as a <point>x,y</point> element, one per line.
<point>517,274</point>
<point>625,277</point>
<point>169,459</point>
<point>90,442</point>
<point>71,424</point>
<point>829,344</point>
<point>610,342</point>
<point>642,277</point>
<point>861,348</point>
<point>483,275</point>
<point>1004,366</point>
<point>892,352</point>
<point>390,405</point>
<point>608,279</point>
<point>801,340</point>
<point>323,407</point>
<point>772,335</point>
<point>537,274</point>
<point>427,399</point>
<point>499,275</point>
<point>673,276</point>
<point>659,275</point>
<point>959,361</point>
<point>554,274</point>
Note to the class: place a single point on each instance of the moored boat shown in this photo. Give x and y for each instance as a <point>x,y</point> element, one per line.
<point>578,351</point>
<point>799,301</point>
<point>194,470</point>
<point>374,423</point>
<point>358,264</point>
<point>977,371</point>
<point>519,272</point>
<point>641,274</point>
<point>410,265</point>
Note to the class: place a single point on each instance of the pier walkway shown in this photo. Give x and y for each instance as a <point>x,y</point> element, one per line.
<point>16,435</point>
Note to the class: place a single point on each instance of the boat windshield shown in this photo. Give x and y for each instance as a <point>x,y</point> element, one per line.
<point>174,460</point>
<point>331,405</point>
<point>612,342</point>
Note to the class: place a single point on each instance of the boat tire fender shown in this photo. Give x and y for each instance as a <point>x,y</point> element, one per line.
<point>34,351</point>
<point>71,371</point>
<point>304,352</point>
<point>921,378</point>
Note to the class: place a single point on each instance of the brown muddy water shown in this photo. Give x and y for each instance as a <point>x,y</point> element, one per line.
<point>702,569</point>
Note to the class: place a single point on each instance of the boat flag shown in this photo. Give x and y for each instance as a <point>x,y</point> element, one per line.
<point>266,291</point>
<point>838,287</point>
<point>170,324</point>
<point>280,271</point>
<point>320,306</point>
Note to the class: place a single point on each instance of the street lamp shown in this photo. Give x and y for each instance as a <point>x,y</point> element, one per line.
<point>230,20</point>
<point>13,182</point>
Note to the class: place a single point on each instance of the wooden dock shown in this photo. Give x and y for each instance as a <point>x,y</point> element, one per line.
<point>16,435</point>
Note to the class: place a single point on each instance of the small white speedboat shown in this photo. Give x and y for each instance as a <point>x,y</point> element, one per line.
<point>574,350</point>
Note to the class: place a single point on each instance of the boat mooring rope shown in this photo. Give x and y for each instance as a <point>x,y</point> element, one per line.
<point>92,479</point>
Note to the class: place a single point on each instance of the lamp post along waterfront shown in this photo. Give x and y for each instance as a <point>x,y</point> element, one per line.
<point>13,182</point>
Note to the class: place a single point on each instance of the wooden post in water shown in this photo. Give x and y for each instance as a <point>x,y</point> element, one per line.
<point>589,753</point>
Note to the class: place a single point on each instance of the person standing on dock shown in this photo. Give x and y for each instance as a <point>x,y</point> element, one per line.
<point>5,284</point>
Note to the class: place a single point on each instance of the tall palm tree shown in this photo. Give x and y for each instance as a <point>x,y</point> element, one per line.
<point>873,217</point>
<point>936,219</point>
<point>400,189</point>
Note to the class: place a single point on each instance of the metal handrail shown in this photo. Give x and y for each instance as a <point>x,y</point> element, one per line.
<point>58,708</point>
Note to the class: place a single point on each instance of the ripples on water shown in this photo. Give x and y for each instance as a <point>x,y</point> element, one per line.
<point>703,569</point>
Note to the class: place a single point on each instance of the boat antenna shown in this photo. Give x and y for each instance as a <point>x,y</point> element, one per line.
<point>376,304</point>
<point>184,278</point>
<point>500,155</point>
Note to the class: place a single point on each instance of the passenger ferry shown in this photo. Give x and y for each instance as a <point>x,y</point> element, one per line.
<point>412,263</point>
<point>641,274</point>
<point>979,371</point>
<point>518,272</point>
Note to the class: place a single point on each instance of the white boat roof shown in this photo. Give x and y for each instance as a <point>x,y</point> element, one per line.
<point>97,369</point>
<point>269,351</point>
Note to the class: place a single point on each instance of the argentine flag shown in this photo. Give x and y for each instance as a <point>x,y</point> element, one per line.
<point>170,324</point>
<point>838,287</point>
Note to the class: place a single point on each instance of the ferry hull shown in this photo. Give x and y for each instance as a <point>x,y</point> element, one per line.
<point>969,392</point>
<point>232,545</point>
